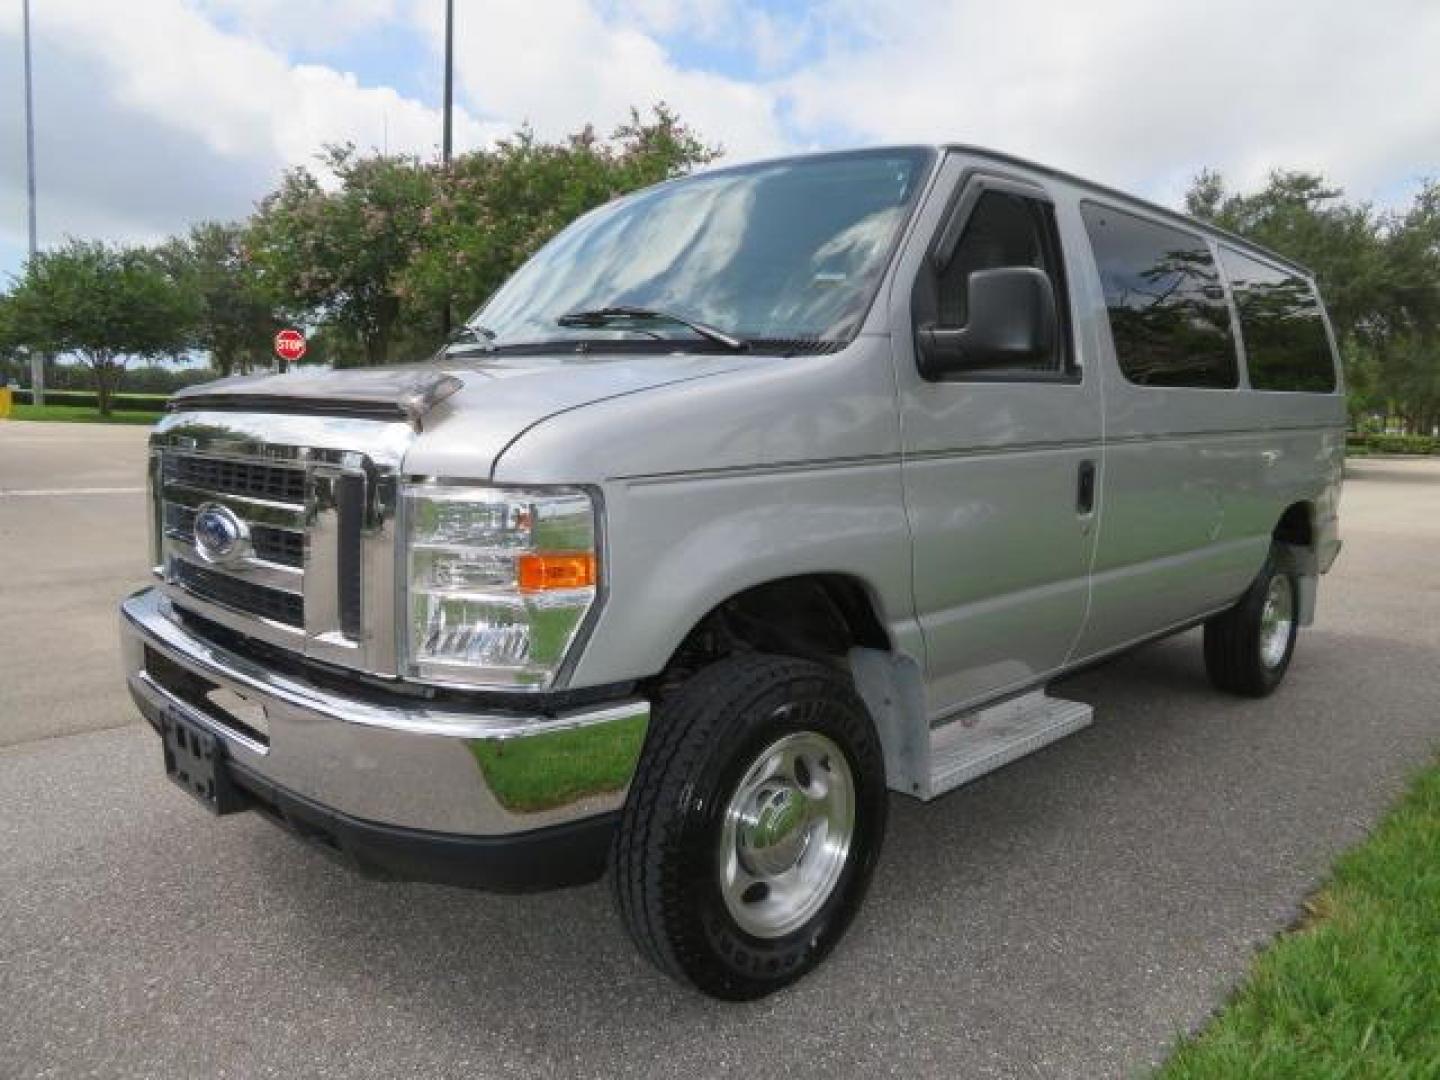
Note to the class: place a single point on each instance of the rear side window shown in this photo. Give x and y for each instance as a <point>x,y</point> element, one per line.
<point>1167,308</point>
<point>1286,347</point>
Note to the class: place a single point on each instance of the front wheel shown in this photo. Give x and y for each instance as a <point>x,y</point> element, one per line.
<point>1248,648</point>
<point>752,826</point>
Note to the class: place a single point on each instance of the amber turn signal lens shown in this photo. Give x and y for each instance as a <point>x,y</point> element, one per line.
<point>541,573</point>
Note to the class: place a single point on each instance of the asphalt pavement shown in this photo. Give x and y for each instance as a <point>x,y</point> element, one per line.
<point>1069,915</point>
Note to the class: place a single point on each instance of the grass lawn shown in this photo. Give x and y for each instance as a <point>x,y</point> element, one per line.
<point>80,414</point>
<point>1355,990</point>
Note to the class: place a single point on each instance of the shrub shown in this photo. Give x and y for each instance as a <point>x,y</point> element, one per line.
<point>1393,444</point>
<point>90,400</point>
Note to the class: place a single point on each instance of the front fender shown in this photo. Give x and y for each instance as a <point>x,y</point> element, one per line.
<point>678,546</point>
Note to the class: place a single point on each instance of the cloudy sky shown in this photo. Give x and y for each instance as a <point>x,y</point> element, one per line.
<point>152,114</point>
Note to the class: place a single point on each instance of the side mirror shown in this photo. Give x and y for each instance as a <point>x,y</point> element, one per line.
<point>1012,324</point>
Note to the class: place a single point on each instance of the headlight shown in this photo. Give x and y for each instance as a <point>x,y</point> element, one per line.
<point>500,581</point>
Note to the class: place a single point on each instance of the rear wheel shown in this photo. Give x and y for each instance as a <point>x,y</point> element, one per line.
<point>1248,648</point>
<point>753,825</point>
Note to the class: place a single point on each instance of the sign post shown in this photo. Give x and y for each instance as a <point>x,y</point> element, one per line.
<point>289,346</point>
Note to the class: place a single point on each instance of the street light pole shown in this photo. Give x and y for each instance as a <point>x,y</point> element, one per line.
<point>37,360</point>
<point>447,138</point>
<point>447,142</point>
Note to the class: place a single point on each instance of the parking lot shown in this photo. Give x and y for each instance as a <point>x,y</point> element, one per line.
<point>1067,916</point>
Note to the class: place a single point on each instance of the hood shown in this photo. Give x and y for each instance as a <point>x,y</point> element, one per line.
<point>469,410</point>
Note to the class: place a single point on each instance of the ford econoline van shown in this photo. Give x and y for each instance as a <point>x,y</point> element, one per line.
<point>753,500</point>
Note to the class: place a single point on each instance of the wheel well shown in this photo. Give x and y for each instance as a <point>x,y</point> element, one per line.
<point>815,616</point>
<point>1295,527</point>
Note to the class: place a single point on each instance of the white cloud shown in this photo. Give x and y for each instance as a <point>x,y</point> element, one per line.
<point>1143,94</point>
<point>561,63</point>
<point>314,24</point>
<point>1132,92</point>
<point>697,18</point>
<point>150,116</point>
<point>155,113</point>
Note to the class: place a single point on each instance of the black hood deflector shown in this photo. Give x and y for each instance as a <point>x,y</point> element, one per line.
<point>381,394</point>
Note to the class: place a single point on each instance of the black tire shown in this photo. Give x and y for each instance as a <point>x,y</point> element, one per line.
<point>1235,642</point>
<point>705,739</point>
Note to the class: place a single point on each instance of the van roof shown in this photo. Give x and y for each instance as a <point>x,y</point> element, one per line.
<point>1114,193</point>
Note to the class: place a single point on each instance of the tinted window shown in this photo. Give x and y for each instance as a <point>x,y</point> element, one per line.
<point>1003,230</point>
<point>1285,343</point>
<point>1167,309</point>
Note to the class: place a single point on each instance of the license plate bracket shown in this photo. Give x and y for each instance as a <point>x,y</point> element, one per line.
<point>195,761</point>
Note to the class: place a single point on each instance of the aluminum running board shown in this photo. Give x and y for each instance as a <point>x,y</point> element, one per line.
<point>979,742</point>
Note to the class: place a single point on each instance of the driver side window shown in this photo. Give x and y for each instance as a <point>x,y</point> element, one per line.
<point>1004,230</point>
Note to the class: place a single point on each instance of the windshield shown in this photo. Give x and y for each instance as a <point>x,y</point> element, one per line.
<point>787,251</point>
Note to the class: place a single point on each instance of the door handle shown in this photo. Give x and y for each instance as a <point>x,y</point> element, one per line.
<point>1085,488</point>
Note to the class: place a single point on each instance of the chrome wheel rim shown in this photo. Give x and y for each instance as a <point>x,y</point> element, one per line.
<point>1276,619</point>
<point>786,834</point>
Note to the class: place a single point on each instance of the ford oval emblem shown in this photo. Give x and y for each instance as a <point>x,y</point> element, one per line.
<point>219,534</point>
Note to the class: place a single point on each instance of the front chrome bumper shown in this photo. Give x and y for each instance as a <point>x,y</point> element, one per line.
<point>410,766</point>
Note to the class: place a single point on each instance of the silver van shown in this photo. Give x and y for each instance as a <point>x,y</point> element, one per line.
<point>752,498</point>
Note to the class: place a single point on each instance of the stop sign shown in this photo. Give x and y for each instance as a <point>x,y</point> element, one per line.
<point>290,344</point>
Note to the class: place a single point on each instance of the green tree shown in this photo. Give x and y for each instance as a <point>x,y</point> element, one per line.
<point>237,315</point>
<point>337,254</point>
<point>375,261</point>
<point>11,350</point>
<point>106,304</point>
<point>495,207</point>
<point>1412,252</point>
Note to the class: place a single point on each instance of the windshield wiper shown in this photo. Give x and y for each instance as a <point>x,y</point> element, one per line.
<point>605,315</point>
<point>472,334</point>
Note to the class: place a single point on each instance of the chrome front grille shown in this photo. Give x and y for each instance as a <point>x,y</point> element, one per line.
<point>286,608</point>
<point>313,569</point>
<point>283,546</point>
<point>251,480</point>
<point>271,501</point>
